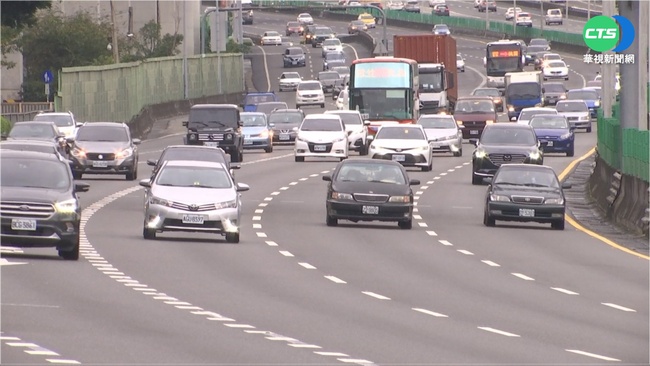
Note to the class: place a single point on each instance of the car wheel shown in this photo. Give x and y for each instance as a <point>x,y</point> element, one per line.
<point>269,149</point>
<point>77,175</point>
<point>428,167</point>
<point>363,150</point>
<point>589,129</point>
<point>133,175</point>
<point>299,159</point>
<point>558,225</point>
<point>148,234</point>
<point>330,221</point>
<point>298,106</point>
<point>232,237</point>
<point>71,255</point>
<point>566,78</point>
<point>571,152</point>
<point>322,105</point>
<point>476,180</point>
<point>462,70</point>
<point>405,225</point>
<point>458,153</point>
<point>488,220</point>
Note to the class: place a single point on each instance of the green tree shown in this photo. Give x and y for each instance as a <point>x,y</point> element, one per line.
<point>149,43</point>
<point>15,16</point>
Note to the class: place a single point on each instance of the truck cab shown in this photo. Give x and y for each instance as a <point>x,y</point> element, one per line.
<point>216,125</point>
<point>523,90</point>
<point>435,80</point>
<point>251,100</point>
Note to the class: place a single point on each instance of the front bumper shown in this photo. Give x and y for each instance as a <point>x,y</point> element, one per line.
<point>337,149</point>
<point>510,211</point>
<point>406,158</point>
<point>284,137</point>
<point>163,218</point>
<point>257,142</point>
<point>288,86</point>
<point>117,166</point>
<point>556,76</point>
<point>57,231</point>
<point>353,211</point>
<point>444,146</point>
<point>580,124</point>
<point>558,146</point>
<point>300,101</point>
<point>301,62</point>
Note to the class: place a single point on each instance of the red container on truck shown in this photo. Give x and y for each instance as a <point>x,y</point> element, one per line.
<point>436,57</point>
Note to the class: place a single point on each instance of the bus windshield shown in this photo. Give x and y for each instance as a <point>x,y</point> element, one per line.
<point>382,104</point>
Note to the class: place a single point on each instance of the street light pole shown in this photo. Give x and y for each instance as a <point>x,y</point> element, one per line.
<point>185,40</point>
<point>203,35</point>
<point>116,53</point>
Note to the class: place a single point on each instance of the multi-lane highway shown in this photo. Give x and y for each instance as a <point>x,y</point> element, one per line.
<point>295,291</point>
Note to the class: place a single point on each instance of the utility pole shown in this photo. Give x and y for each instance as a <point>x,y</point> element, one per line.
<point>607,70</point>
<point>116,52</point>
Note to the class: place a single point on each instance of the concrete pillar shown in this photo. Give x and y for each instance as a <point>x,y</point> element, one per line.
<point>608,71</point>
<point>642,63</point>
<point>634,76</point>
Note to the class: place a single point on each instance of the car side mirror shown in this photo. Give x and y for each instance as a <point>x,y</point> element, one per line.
<point>242,187</point>
<point>414,182</point>
<point>185,123</point>
<point>473,142</point>
<point>137,141</point>
<point>572,128</point>
<point>461,126</point>
<point>69,139</point>
<point>81,187</point>
<point>366,123</point>
<point>487,180</point>
<point>78,124</point>
<point>145,183</point>
<point>152,162</point>
<point>327,178</point>
<point>235,166</point>
<point>566,185</point>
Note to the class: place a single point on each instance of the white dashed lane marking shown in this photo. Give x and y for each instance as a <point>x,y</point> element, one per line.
<point>307,265</point>
<point>564,291</point>
<point>286,253</point>
<point>431,233</point>
<point>429,312</point>
<point>376,296</point>
<point>618,307</point>
<point>497,331</point>
<point>445,242</point>
<point>523,276</point>
<point>36,350</point>
<point>335,279</point>
<point>490,263</point>
<point>466,252</point>
<point>592,355</point>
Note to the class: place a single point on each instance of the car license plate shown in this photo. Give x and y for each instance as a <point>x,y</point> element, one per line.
<point>284,136</point>
<point>248,142</point>
<point>210,143</point>
<point>100,164</point>
<point>193,219</point>
<point>370,210</point>
<point>320,147</point>
<point>473,132</point>
<point>526,212</point>
<point>549,143</point>
<point>23,224</point>
<point>434,145</point>
<point>399,158</point>
<point>294,62</point>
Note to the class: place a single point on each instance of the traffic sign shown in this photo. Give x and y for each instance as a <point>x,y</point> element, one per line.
<point>47,89</point>
<point>48,77</point>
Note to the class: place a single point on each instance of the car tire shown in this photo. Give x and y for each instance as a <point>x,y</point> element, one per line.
<point>570,152</point>
<point>298,106</point>
<point>462,70</point>
<point>77,175</point>
<point>458,153</point>
<point>299,159</point>
<point>133,175</point>
<point>148,234</point>
<point>232,238</point>
<point>428,167</point>
<point>558,225</point>
<point>488,220</point>
<point>405,225</point>
<point>322,105</point>
<point>476,180</point>
<point>330,221</point>
<point>71,255</point>
<point>363,150</point>
<point>566,78</point>
<point>589,129</point>
<point>269,149</point>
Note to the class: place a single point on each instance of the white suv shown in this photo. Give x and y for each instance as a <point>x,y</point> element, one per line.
<point>321,135</point>
<point>310,93</point>
<point>356,128</point>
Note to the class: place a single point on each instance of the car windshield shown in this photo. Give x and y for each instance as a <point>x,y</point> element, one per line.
<point>582,95</point>
<point>400,133</point>
<point>293,24</point>
<point>198,154</point>
<point>320,125</point>
<point>375,173</point>
<point>59,121</point>
<point>193,176</point>
<point>285,117</point>
<point>331,42</point>
<point>549,123</point>
<point>102,133</point>
<point>256,99</point>
<point>328,75</point>
<point>290,75</point>
<point>475,106</point>
<point>304,15</point>
<point>213,117</point>
<point>554,88</point>
<point>441,27</point>
<point>272,34</point>
<point>271,106</point>
<point>349,118</point>
<point>527,115</point>
<point>34,173</point>
<point>334,56</point>
<point>535,49</point>
<point>321,31</point>
<point>341,70</point>
<point>437,122</point>
<point>508,136</point>
<point>526,177</point>
<point>556,64</point>
<point>32,130</point>
<point>571,107</point>
<point>358,23</point>
<point>309,86</point>
<point>487,92</point>
<point>294,51</point>
<point>537,41</point>
<point>49,149</point>
<point>552,56</point>
<point>253,120</point>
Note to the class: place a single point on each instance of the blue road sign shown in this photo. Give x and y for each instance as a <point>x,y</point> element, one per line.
<point>48,77</point>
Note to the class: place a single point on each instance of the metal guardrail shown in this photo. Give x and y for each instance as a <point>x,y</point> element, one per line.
<point>25,107</point>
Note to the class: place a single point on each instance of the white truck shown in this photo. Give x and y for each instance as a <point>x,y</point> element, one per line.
<point>553,16</point>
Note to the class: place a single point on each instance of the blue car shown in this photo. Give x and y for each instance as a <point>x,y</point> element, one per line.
<point>590,96</point>
<point>251,100</point>
<point>554,132</point>
<point>257,131</point>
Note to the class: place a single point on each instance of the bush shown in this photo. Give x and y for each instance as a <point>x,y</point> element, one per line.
<point>5,126</point>
<point>234,47</point>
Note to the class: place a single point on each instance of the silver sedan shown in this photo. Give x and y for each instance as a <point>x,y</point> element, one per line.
<point>193,196</point>
<point>443,133</point>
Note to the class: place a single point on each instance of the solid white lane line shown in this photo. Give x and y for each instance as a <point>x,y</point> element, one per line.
<point>335,354</point>
<point>376,296</point>
<point>423,224</point>
<point>286,253</point>
<point>466,252</point>
<point>619,307</point>
<point>490,263</point>
<point>271,243</point>
<point>266,69</point>
<point>63,362</point>
<point>306,265</point>
<point>335,279</point>
<point>432,313</point>
<point>445,242</point>
<point>588,354</point>
<point>497,331</point>
<point>431,233</point>
<point>257,226</point>
<point>564,291</point>
<point>261,235</point>
<point>523,276</point>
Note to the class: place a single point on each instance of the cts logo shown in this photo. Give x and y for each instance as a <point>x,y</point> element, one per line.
<point>603,33</point>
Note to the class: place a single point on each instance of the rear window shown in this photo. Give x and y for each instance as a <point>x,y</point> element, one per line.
<point>285,117</point>
<point>349,118</point>
<point>256,99</point>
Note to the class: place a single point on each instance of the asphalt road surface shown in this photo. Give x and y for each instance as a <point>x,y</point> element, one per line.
<point>295,291</point>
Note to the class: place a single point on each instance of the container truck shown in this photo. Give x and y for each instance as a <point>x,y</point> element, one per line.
<point>436,58</point>
<point>523,90</point>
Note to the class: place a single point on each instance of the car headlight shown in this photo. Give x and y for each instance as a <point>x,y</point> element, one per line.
<point>153,200</point>
<point>566,136</point>
<point>421,148</point>
<point>226,204</point>
<point>341,196</point>
<point>489,122</point>
<point>597,103</point>
<point>78,153</point>
<point>511,108</point>
<point>563,96</point>
<point>124,153</point>
<point>480,154</point>
<point>264,133</point>
<point>228,136</point>
<point>584,118</point>
<point>534,155</point>
<point>459,122</point>
<point>554,201</point>
<point>193,137</point>
<point>67,206</point>
<point>400,199</point>
<point>499,198</point>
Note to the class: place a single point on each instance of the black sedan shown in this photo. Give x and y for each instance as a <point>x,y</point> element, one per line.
<point>192,152</point>
<point>525,193</point>
<point>370,190</point>
<point>501,144</point>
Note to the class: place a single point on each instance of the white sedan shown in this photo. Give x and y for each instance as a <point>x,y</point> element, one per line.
<point>395,5</point>
<point>289,81</point>
<point>321,135</point>
<point>460,62</point>
<point>511,12</point>
<point>405,144</point>
<point>305,18</point>
<point>524,20</point>
<point>527,114</point>
<point>356,128</point>
<point>271,37</point>
<point>343,100</point>
<point>556,70</point>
